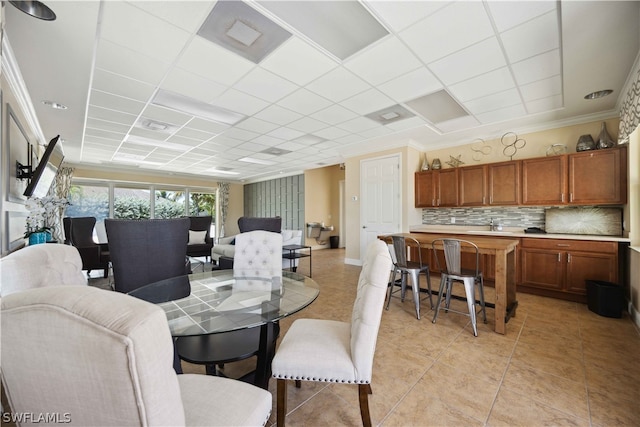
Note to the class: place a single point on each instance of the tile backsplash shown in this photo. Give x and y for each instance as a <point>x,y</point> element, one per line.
<point>507,216</point>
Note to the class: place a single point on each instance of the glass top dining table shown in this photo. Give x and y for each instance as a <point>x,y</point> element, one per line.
<point>216,302</point>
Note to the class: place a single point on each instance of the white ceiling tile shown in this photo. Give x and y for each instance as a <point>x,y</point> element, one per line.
<point>206,125</point>
<point>378,131</point>
<point>537,68</point>
<point>126,25</point>
<point>348,139</point>
<point>265,85</point>
<point>502,114</point>
<point>148,134</point>
<point>256,125</point>
<point>304,102</point>
<point>205,58</point>
<point>331,133</point>
<point>102,133</point>
<point>532,38</point>
<point>400,14</point>
<point>368,101</point>
<point>123,86</point>
<point>545,104</point>
<point>334,114</point>
<point>111,115</point>
<point>384,61</point>
<point>542,88</point>
<point>410,123</point>
<point>411,85</point>
<point>279,115</point>
<point>472,61</point>
<point>298,62</point>
<point>359,124</point>
<point>307,125</point>
<point>338,84</point>
<point>448,30</point>
<point>105,125</point>
<point>187,15</point>
<point>286,133</point>
<point>493,102</point>
<point>165,115</point>
<point>194,134</point>
<point>240,102</point>
<point>192,85</point>
<point>458,124</point>
<point>240,134</point>
<point>115,102</point>
<point>120,60</point>
<point>267,140</point>
<point>508,14</point>
<point>476,87</point>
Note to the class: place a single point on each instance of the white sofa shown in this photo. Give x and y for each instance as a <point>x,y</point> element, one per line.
<point>226,249</point>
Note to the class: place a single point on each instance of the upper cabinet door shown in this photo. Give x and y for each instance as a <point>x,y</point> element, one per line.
<point>544,181</point>
<point>472,186</point>
<point>504,183</point>
<point>598,177</point>
<point>425,193</point>
<point>447,187</point>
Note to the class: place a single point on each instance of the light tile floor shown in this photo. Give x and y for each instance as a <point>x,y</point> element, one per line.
<point>558,364</point>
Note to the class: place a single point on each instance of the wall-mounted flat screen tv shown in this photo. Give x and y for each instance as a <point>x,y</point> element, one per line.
<point>44,173</point>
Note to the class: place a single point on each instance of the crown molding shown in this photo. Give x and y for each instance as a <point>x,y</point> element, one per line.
<point>12,74</point>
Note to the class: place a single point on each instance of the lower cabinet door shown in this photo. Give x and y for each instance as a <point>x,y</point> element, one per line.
<point>543,268</point>
<point>583,266</point>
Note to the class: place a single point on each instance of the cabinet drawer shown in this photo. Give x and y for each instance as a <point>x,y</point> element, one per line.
<point>571,245</point>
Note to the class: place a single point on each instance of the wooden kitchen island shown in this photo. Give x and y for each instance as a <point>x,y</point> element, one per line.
<point>504,251</point>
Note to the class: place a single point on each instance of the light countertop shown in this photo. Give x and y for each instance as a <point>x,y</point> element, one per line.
<point>516,232</point>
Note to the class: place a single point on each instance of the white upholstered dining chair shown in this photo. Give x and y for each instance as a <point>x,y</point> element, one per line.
<point>338,352</point>
<point>113,357</point>
<point>39,266</point>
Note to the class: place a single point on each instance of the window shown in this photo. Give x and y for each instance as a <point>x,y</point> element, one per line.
<point>88,200</point>
<point>202,204</point>
<point>168,204</point>
<point>131,203</point>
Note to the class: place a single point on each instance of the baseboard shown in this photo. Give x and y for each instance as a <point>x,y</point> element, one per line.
<point>352,261</point>
<point>634,314</point>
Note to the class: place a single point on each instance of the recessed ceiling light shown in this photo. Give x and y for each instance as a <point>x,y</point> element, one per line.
<point>36,9</point>
<point>275,151</point>
<point>155,125</point>
<point>598,94</point>
<point>243,30</point>
<point>54,105</point>
<point>309,139</point>
<point>139,140</point>
<point>243,33</point>
<point>256,161</point>
<point>390,114</point>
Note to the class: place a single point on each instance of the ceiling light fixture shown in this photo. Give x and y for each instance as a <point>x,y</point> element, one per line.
<point>36,9</point>
<point>221,172</point>
<point>390,114</point>
<point>275,151</point>
<point>243,30</point>
<point>139,140</point>
<point>256,161</point>
<point>184,104</point>
<point>438,107</point>
<point>598,94</point>
<point>54,105</point>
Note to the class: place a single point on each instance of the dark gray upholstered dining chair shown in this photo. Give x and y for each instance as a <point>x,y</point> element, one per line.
<point>200,241</point>
<point>79,233</point>
<point>146,251</point>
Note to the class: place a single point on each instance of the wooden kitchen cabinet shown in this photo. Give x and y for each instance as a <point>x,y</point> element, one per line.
<point>436,188</point>
<point>472,186</point>
<point>560,268</point>
<point>544,181</point>
<point>598,177</point>
<point>504,183</point>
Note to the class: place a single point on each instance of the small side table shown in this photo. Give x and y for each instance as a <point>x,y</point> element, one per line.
<point>293,253</point>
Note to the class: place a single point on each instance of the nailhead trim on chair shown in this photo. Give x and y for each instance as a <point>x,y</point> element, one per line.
<point>325,380</point>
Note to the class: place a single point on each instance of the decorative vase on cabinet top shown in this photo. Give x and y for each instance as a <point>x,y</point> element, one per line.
<point>604,139</point>
<point>585,143</point>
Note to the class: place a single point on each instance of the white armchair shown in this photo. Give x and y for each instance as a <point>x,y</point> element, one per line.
<point>226,247</point>
<point>39,266</point>
<point>333,351</point>
<point>104,358</point>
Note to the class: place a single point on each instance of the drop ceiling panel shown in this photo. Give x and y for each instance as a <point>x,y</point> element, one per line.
<point>126,25</point>
<point>111,115</point>
<point>545,104</point>
<point>399,15</point>
<point>184,14</point>
<point>508,14</point>
<point>278,115</point>
<point>502,114</point>
<point>358,125</point>
<point>331,133</point>
<point>309,63</point>
<point>537,36</point>
<point>265,85</point>
<point>114,102</point>
<point>537,68</point>
<point>304,102</point>
<point>460,24</point>
<point>307,125</point>
<point>338,84</point>
<point>334,114</point>
<point>206,125</point>
<point>384,61</point>
<point>482,85</point>
<point>118,85</point>
<point>120,60</point>
<point>494,102</point>
<point>469,62</point>
<point>192,85</point>
<point>410,85</point>
<point>542,88</point>
<point>368,101</point>
<point>166,115</point>
<point>285,133</point>
<point>240,102</point>
<point>256,125</point>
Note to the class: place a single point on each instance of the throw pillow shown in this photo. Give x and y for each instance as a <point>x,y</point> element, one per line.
<point>197,237</point>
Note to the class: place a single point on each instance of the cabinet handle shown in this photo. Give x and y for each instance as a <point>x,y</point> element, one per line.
<point>438,202</point>
<point>562,197</point>
<point>483,202</point>
<point>563,245</point>
<point>433,202</point>
<point>571,197</point>
<point>559,257</point>
<point>568,258</point>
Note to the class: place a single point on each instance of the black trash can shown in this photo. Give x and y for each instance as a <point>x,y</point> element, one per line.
<point>605,298</point>
<point>334,241</point>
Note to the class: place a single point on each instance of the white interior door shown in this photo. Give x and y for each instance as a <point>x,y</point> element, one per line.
<point>379,199</point>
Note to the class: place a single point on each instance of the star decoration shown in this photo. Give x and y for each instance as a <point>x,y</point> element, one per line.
<point>455,161</point>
